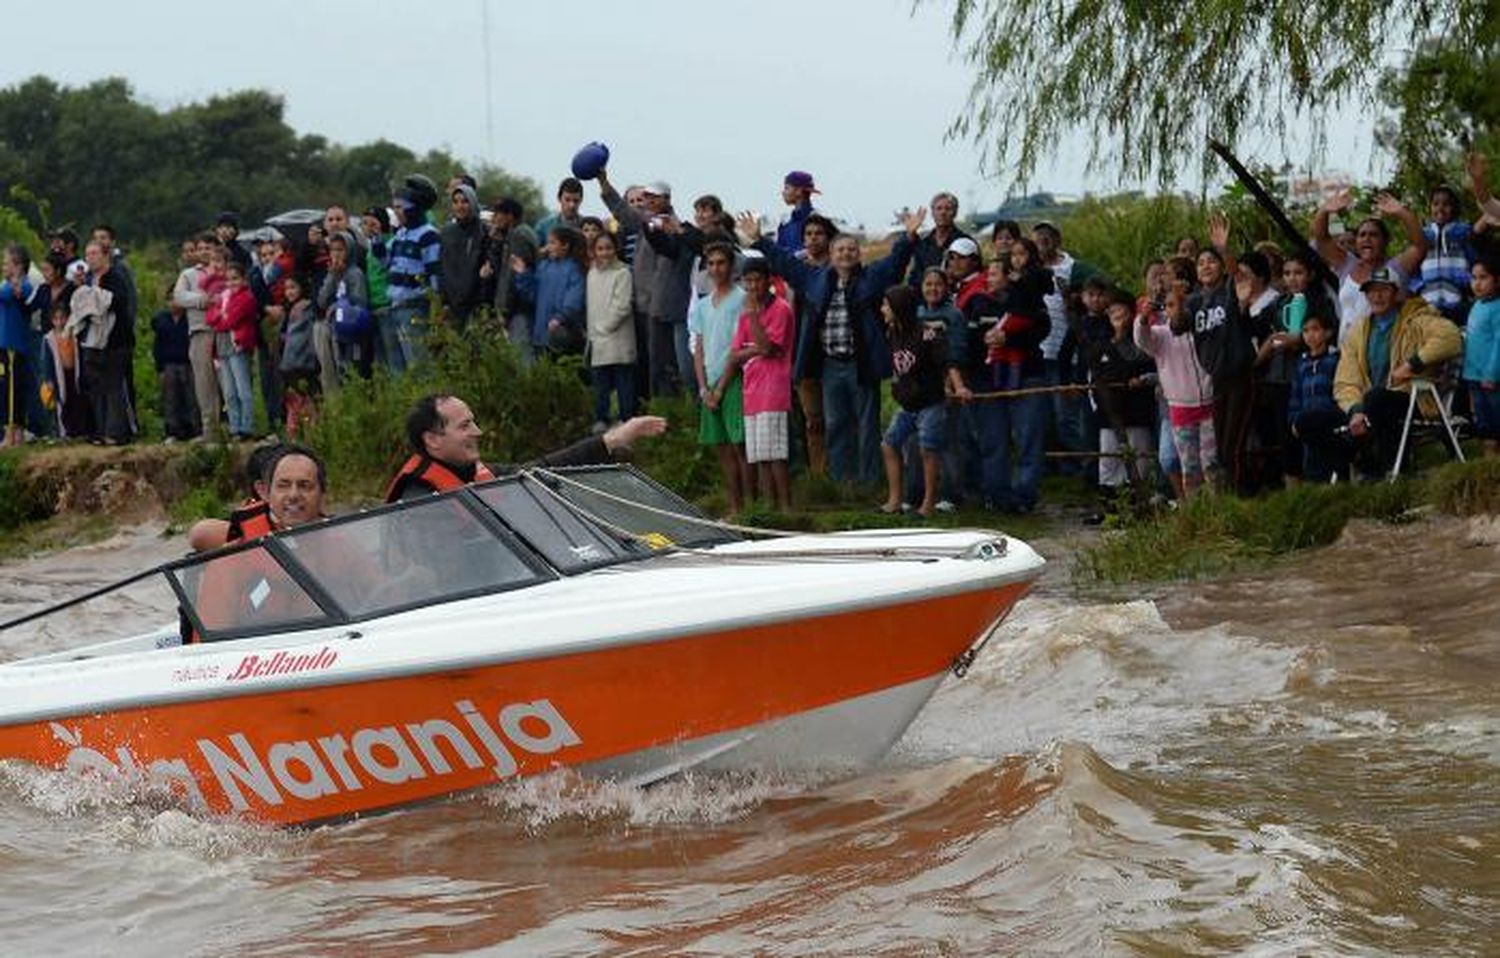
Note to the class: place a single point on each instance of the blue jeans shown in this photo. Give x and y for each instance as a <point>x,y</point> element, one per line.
<point>239,395</point>
<point>408,321</point>
<point>1070,414</point>
<point>851,417</point>
<point>618,380</point>
<point>1012,443</point>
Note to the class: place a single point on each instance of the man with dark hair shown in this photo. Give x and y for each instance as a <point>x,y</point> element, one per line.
<point>463,252</point>
<point>934,244</point>
<point>569,199</point>
<point>444,442</point>
<point>510,239</point>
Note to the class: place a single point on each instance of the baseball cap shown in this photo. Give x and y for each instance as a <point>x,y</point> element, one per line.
<point>1384,276</point>
<point>802,180</point>
<point>963,246</point>
<point>657,188</point>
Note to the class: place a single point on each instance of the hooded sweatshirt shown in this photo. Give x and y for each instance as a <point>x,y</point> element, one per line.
<point>463,253</point>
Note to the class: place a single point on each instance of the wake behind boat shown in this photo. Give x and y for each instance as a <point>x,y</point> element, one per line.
<point>580,618</point>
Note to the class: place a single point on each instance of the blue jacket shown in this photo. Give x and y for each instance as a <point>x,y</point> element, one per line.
<point>15,312</point>
<point>816,284</point>
<point>556,287</point>
<point>1312,385</point>
<point>789,234</point>
<point>1482,342</point>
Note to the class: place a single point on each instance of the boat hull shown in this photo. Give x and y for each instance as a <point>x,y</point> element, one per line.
<point>831,689</point>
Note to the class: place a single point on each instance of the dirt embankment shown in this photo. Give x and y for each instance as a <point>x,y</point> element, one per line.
<point>129,483</point>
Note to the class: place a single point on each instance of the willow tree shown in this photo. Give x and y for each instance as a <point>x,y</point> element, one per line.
<point>1151,81</point>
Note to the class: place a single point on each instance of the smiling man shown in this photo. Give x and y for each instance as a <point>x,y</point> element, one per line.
<point>444,440</point>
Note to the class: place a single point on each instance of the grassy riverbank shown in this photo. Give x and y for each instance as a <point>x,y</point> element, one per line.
<point>1215,534</point>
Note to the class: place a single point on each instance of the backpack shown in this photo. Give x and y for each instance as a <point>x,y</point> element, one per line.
<point>351,322</point>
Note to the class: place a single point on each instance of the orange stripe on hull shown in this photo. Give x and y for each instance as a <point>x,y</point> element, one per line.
<point>323,752</point>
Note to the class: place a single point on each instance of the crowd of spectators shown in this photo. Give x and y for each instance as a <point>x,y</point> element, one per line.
<point>1249,369</point>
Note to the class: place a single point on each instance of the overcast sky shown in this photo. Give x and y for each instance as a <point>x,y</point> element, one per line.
<point>709,96</point>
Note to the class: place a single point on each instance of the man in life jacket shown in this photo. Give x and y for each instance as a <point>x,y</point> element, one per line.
<point>250,519</point>
<point>295,483</point>
<point>444,440</point>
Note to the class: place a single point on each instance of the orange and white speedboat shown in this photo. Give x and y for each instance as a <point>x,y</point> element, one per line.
<point>585,618</point>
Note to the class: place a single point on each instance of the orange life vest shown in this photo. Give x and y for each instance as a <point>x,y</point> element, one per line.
<point>250,521</point>
<point>435,474</point>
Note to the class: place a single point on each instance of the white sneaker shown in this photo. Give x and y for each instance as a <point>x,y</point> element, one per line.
<point>943,505</point>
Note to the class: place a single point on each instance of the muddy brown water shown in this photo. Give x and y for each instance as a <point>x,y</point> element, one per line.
<point>1301,761</point>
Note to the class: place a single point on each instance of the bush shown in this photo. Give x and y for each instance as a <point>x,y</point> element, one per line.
<point>524,411</point>
<point>1466,488</point>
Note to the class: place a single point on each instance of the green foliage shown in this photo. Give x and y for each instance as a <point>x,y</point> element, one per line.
<point>525,411</point>
<point>1212,534</point>
<point>1147,82</point>
<point>15,229</point>
<point>90,154</point>
<point>1466,488</point>
<point>1443,100</point>
<point>1120,234</point>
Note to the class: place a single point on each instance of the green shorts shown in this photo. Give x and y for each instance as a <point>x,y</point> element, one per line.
<point>727,423</point>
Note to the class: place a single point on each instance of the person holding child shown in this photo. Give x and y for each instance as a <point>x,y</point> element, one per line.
<point>232,316</point>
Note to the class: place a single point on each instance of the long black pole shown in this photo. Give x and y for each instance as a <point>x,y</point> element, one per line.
<point>1273,209</point>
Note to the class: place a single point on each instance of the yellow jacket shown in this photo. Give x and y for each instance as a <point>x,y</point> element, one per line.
<point>1420,331</point>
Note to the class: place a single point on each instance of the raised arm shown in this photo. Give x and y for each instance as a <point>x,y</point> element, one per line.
<point>1478,168</point>
<point>626,215</point>
<point>1409,260</point>
<point>1333,254</point>
<point>1218,235</point>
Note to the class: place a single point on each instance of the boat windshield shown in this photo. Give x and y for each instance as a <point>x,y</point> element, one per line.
<point>509,533</point>
<point>505,534</point>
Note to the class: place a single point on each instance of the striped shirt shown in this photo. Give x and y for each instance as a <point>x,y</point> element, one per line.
<point>415,263</point>
<point>1444,278</point>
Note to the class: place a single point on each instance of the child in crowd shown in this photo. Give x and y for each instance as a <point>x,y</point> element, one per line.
<point>919,358</point>
<point>1482,351</point>
<point>556,286</point>
<point>590,227</point>
<point>713,321</point>
<point>1316,420</point>
<point>231,314</point>
<point>762,349</point>
<point>300,365</point>
<point>62,378</point>
<point>174,374</point>
<point>344,331</point>
<point>1126,399</point>
<point>1189,391</point>
<point>1152,308</point>
<point>611,331</point>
